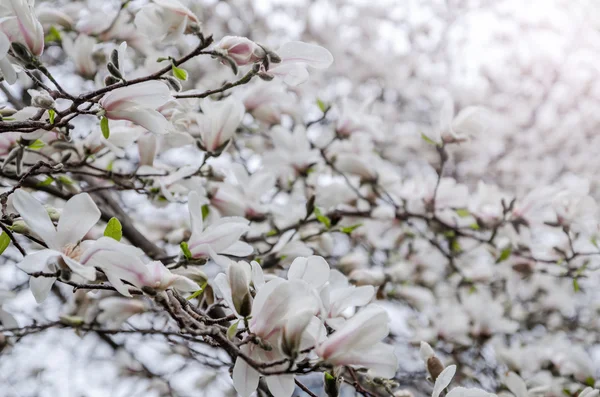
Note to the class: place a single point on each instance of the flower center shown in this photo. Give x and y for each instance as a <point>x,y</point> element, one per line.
<point>73,251</point>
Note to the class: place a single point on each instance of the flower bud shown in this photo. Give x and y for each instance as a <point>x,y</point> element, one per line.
<point>110,80</point>
<point>41,99</point>
<point>239,281</point>
<point>433,364</point>
<point>241,50</point>
<point>20,227</point>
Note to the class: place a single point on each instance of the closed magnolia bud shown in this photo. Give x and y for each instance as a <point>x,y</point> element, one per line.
<point>114,71</point>
<point>173,83</point>
<point>433,364</point>
<point>240,49</point>
<point>7,112</point>
<point>114,58</point>
<point>20,227</point>
<point>41,99</point>
<point>239,281</point>
<point>265,76</point>
<point>110,80</point>
<point>53,213</point>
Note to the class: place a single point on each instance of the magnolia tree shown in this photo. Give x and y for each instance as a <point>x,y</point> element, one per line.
<point>189,207</point>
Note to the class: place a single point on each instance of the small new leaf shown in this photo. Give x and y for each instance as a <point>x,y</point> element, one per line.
<point>53,35</point>
<point>104,127</point>
<point>51,115</point>
<point>462,212</point>
<point>186,250</point>
<point>205,211</point>
<point>180,73</point>
<point>322,218</point>
<point>114,229</point>
<point>4,242</point>
<point>36,145</point>
<point>322,105</point>
<point>46,182</point>
<point>428,139</point>
<point>232,330</point>
<point>197,293</point>
<point>504,254</point>
<point>576,287</point>
<point>349,229</point>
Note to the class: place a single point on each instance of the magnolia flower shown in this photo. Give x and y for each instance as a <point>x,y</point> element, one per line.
<point>470,122</point>
<point>160,278</point>
<point>358,343</point>
<point>338,295</point>
<point>218,122</point>
<point>65,248</point>
<point>240,49</point>
<point>221,237</point>
<point>7,69</point>
<point>296,56</point>
<point>137,103</point>
<point>21,25</point>
<point>282,313</point>
<point>80,51</point>
<point>165,20</point>
<point>116,310</point>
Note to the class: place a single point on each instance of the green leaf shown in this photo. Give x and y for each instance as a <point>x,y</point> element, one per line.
<point>197,293</point>
<point>474,226</point>
<point>205,211</point>
<point>46,182</point>
<point>65,180</point>
<point>110,165</point>
<point>590,381</point>
<point>350,229</point>
<point>114,229</point>
<point>455,246</point>
<point>594,241</point>
<point>180,73</point>
<point>576,285</point>
<point>473,289</point>
<point>232,330</point>
<point>462,212</point>
<point>504,254</point>
<point>186,250</point>
<point>428,139</point>
<point>162,59</point>
<point>51,115</point>
<point>53,35</point>
<point>322,218</point>
<point>271,233</point>
<point>36,145</point>
<point>104,127</point>
<point>4,242</point>
<point>322,105</point>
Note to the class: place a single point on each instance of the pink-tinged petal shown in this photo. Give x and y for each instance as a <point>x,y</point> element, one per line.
<point>79,215</point>
<point>35,216</point>
<point>40,287</point>
<point>184,284</point>
<point>37,261</point>
<point>310,54</point>
<point>443,380</point>
<point>245,378</point>
<point>314,270</point>
<point>281,385</point>
<point>220,236</point>
<point>366,328</point>
<point>270,306</point>
<point>87,272</point>
<point>351,296</point>
<point>150,119</point>
<point>195,210</point>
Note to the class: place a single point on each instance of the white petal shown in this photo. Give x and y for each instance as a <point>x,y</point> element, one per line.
<point>310,54</point>
<point>77,218</point>
<point>245,378</point>
<point>150,94</point>
<point>35,216</point>
<point>37,261</point>
<point>150,119</point>
<point>40,287</point>
<point>443,380</point>
<point>516,385</point>
<point>87,272</point>
<point>195,210</point>
<point>314,270</point>
<point>281,385</point>
<point>239,248</point>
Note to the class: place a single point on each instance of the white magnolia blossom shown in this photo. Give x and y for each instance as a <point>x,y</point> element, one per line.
<point>19,22</point>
